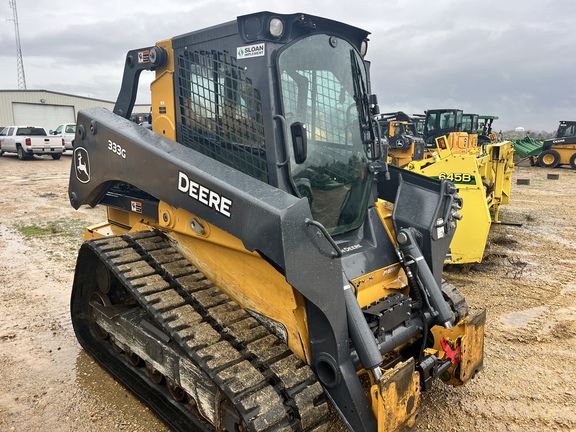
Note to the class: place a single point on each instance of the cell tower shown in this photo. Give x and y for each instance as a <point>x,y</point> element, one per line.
<point>20,65</point>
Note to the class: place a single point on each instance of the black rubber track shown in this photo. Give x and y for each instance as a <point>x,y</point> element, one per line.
<point>270,387</point>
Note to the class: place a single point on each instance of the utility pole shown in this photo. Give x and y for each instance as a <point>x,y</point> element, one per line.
<point>20,62</point>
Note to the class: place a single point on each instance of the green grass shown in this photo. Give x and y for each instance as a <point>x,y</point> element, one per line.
<point>55,228</point>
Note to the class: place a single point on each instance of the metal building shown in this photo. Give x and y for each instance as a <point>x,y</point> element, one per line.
<point>47,108</point>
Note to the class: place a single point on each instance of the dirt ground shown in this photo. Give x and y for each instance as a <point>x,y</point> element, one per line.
<point>527,283</point>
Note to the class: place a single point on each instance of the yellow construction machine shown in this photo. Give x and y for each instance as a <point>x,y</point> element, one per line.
<point>560,150</point>
<point>262,268</point>
<point>481,171</point>
<point>404,141</point>
<point>470,126</point>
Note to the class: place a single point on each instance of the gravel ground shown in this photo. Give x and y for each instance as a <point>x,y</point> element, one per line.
<point>527,283</point>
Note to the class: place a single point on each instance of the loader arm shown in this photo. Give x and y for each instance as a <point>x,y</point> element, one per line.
<point>136,61</point>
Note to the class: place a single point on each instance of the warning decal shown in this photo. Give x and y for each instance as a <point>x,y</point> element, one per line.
<point>143,56</point>
<point>136,206</point>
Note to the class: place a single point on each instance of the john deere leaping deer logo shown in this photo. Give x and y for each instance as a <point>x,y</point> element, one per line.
<point>81,165</point>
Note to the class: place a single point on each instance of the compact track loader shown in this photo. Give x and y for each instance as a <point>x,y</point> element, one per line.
<point>480,169</point>
<point>262,268</point>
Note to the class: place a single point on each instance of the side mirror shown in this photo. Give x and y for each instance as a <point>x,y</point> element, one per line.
<point>373,102</point>
<point>51,132</point>
<point>299,141</point>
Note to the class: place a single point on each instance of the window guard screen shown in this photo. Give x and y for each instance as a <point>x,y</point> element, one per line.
<point>221,111</point>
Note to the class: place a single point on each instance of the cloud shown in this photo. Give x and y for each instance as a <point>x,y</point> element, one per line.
<point>512,59</point>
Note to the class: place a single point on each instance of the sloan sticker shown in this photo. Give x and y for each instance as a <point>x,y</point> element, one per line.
<point>250,51</point>
<point>81,165</point>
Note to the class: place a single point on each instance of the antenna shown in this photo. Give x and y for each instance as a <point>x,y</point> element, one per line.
<point>20,63</point>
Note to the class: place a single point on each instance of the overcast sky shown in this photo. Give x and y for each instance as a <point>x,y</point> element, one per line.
<point>512,58</point>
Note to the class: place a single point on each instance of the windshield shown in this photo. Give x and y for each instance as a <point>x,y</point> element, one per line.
<point>470,123</point>
<point>440,123</point>
<point>567,130</point>
<point>30,131</point>
<point>323,87</point>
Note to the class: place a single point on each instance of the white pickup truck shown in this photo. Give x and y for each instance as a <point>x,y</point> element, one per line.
<point>28,141</point>
<point>66,131</point>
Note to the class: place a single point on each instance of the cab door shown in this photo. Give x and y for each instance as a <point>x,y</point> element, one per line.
<point>8,142</point>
